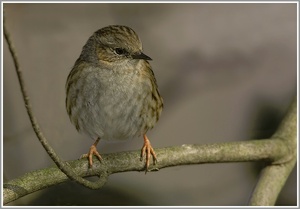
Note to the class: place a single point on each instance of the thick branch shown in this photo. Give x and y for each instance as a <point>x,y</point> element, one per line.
<point>256,150</point>
<point>273,177</point>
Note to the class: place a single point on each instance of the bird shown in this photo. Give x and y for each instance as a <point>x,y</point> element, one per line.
<point>111,91</point>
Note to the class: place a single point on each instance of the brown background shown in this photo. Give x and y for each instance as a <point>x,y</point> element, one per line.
<point>227,72</point>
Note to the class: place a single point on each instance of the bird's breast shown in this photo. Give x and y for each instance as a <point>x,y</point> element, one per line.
<point>115,104</point>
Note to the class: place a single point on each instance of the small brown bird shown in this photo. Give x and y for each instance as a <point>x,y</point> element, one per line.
<point>111,92</point>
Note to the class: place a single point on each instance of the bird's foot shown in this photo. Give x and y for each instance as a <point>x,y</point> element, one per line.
<point>92,151</point>
<point>148,151</point>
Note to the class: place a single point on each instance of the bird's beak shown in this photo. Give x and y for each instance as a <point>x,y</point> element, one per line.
<point>141,56</point>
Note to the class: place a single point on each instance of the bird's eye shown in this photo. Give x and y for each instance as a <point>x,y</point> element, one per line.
<point>120,51</point>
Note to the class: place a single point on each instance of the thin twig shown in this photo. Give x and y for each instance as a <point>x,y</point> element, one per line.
<point>64,167</point>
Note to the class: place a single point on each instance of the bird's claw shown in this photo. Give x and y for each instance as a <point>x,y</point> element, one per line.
<point>148,151</point>
<point>89,155</point>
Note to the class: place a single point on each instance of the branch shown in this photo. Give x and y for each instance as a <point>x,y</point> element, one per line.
<point>65,168</point>
<point>274,176</point>
<point>254,150</point>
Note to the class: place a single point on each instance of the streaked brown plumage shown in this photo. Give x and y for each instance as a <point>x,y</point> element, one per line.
<point>111,90</point>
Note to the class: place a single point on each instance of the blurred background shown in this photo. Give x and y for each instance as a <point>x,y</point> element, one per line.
<point>227,72</point>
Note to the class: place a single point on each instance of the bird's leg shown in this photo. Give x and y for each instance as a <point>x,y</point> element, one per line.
<point>93,151</point>
<point>147,150</point>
